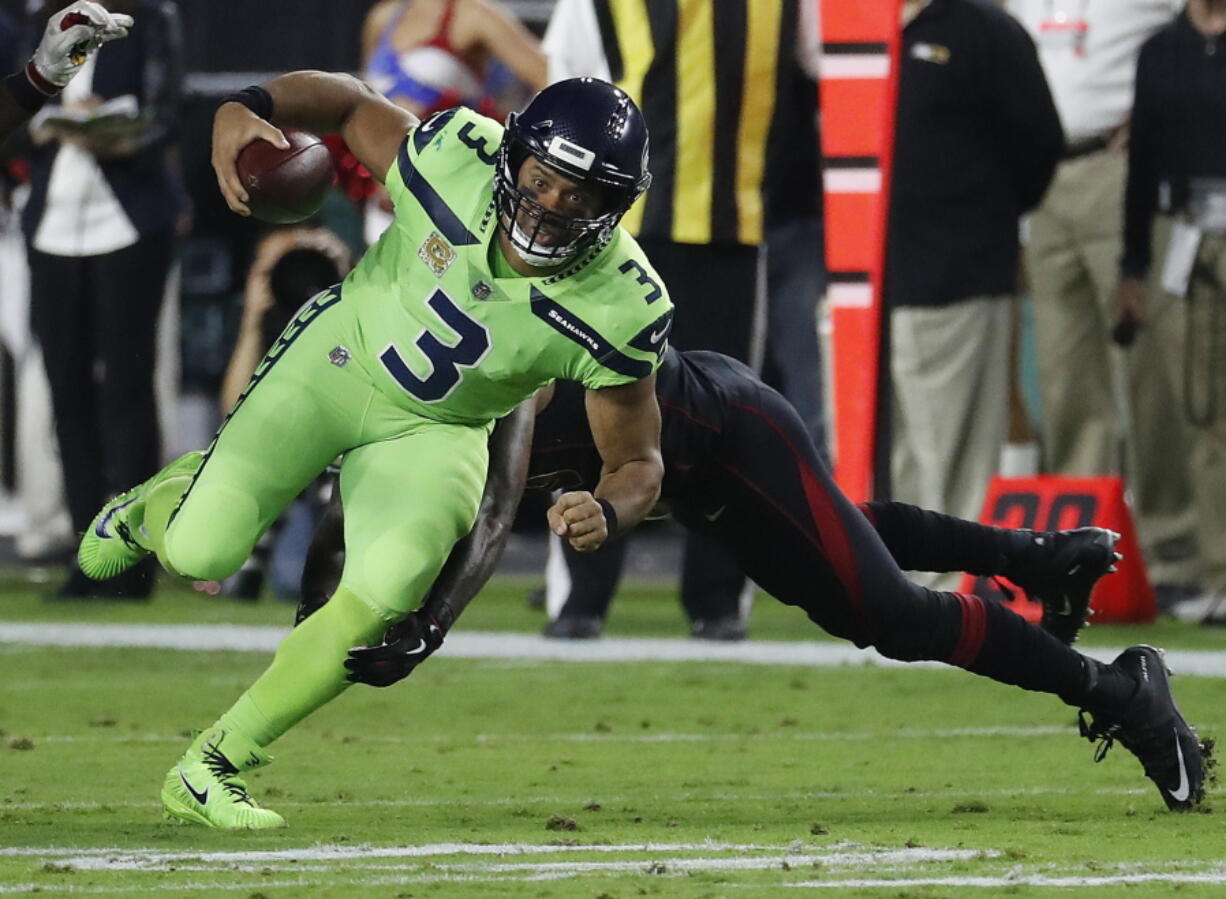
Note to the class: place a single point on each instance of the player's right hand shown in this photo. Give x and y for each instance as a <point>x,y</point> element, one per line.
<point>578,518</point>
<point>71,36</point>
<point>235,126</point>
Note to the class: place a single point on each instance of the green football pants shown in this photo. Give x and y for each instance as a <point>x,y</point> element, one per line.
<point>411,486</point>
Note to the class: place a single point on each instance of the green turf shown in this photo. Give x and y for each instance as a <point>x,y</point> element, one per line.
<point>641,609</point>
<point>810,765</point>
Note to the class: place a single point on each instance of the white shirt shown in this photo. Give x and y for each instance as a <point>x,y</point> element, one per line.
<point>1089,49</point>
<point>82,216</point>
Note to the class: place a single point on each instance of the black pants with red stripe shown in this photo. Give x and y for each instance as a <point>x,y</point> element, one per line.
<point>765,495</point>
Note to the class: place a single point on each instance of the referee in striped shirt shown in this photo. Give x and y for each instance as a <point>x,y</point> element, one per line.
<point>708,94</point>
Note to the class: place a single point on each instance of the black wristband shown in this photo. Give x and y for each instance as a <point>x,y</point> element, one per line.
<point>22,89</point>
<point>254,98</point>
<point>610,516</point>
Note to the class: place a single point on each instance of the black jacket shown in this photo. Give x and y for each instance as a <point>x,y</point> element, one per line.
<point>977,141</point>
<point>1178,129</point>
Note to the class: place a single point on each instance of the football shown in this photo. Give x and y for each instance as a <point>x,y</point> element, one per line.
<point>286,186</point>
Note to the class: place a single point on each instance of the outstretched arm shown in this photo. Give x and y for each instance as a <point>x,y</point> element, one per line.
<point>326,103</point>
<point>625,424</point>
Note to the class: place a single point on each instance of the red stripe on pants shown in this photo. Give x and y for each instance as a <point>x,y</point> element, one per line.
<point>974,623</point>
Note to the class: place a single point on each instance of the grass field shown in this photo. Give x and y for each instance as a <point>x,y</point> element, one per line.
<point>519,777</point>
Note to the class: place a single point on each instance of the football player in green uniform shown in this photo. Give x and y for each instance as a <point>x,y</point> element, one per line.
<point>504,270</point>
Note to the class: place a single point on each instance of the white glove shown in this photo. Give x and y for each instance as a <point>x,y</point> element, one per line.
<point>71,36</point>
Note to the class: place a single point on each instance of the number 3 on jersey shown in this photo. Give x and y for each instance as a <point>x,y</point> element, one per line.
<point>445,361</point>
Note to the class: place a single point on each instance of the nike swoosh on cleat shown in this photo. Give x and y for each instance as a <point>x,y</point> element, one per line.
<point>1185,789</point>
<point>203,798</point>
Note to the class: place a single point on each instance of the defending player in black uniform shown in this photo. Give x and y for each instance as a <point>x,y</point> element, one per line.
<point>740,466</point>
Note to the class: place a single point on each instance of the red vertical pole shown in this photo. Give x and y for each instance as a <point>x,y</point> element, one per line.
<point>859,89</point>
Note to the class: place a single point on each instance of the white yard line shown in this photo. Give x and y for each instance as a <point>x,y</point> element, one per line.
<point>336,852</point>
<point>334,865</point>
<point>307,884</point>
<point>482,645</point>
<point>736,857</point>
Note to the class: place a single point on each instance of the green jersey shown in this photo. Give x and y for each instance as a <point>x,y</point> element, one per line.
<point>445,337</point>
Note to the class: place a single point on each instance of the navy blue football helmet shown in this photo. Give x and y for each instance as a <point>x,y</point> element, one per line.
<point>588,130</point>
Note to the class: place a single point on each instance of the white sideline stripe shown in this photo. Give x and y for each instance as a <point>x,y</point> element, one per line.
<point>840,855</point>
<point>1215,876</point>
<point>875,857</point>
<point>486,645</point>
<point>882,858</point>
<point>336,851</point>
<point>261,884</point>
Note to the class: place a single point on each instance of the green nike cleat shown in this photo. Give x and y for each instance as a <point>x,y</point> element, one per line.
<point>204,787</point>
<point>112,543</point>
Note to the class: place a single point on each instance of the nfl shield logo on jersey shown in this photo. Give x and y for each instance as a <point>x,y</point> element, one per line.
<point>437,254</point>
<point>482,290</point>
<point>339,356</point>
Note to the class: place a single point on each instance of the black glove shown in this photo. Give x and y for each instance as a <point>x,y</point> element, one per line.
<point>405,646</point>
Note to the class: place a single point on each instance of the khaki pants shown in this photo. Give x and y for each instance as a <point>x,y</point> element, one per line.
<point>950,369</point>
<point>1105,410</point>
<point>1193,331</point>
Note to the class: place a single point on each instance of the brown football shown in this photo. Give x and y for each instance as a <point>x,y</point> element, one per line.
<point>286,186</point>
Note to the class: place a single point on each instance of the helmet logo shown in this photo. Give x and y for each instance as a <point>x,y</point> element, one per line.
<point>574,154</point>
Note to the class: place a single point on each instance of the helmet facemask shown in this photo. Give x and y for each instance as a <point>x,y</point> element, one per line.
<point>532,229</point>
<point>541,236</point>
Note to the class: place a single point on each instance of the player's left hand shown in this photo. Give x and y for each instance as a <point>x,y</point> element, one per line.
<point>404,647</point>
<point>578,517</point>
<point>71,36</point>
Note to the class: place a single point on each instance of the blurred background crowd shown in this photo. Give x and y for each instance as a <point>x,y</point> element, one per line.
<point>1055,263</point>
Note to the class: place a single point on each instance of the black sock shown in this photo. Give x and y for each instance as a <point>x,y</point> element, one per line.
<point>922,540</point>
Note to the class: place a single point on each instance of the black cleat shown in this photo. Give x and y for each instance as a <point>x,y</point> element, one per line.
<point>1153,730</point>
<point>1060,572</point>
<point>574,627</point>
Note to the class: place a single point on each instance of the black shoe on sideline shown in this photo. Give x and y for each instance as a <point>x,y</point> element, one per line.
<point>1153,730</point>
